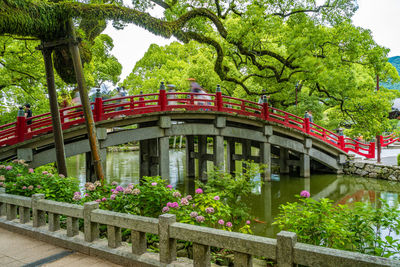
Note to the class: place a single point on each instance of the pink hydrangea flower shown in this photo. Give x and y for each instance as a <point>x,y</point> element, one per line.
<point>248,222</point>
<point>31,170</point>
<point>165,209</point>
<point>221,222</point>
<point>210,210</point>
<point>112,197</point>
<point>193,214</point>
<point>98,200</point>
<point>229,224</point>
<point>60,175</point>
<point>9,168</point>
<point>154,184</point>
<point>104,199</point>
<point>200,218</point>
<point>169,186</point>
<point>216,198</point>
<point>114,183</point>
<point>305,194</point>
<point>176,194</point>
<point>127,190</point>
<point>184,202</point>
<point>45,172</point>
<point>189,197</point>
<point>97,183</point>
<point>91,187</point>
<point>39,186</point>
<point>24,187</point>
<point>199,191</point>
<point>119,188</point>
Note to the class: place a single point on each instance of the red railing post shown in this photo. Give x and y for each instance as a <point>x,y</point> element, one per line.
<point>341,142</point>
<point>98,106</point>
<point>371,152</point>
<point>141,99</point>
<point>265,109</point>
<point>162,97</point>
<point>21,125</point>
<point>218,98</point>
<point>307,125</point>
<point>132,104</point>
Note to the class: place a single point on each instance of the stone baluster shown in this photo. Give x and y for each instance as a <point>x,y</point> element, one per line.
<point>24,214</point>
<point>242,259</point>
<point>113,236</point>
<point>11,212</point>
<point>54,222</point>
<point>72,226</point>
<point>285,248</point>
<point>2,204</point>
<point>38,216</point>
<point>139,242</point>
<point>201,255</point>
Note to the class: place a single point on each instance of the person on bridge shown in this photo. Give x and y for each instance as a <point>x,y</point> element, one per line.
<point>196,88</point>
<point>28,115</point>
<point>171,89</point>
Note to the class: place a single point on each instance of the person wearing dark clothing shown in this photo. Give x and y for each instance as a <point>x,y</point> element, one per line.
<point>28,115</point>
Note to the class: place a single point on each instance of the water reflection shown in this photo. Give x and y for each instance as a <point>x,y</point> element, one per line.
<point>123,167</point>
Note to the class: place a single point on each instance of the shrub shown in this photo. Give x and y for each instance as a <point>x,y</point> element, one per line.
<point>358,227</point>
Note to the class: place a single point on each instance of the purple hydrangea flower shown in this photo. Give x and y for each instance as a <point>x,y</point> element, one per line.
<point>193,205</point>
<point>176,194</point>
<point>104,199</point>
<point>189,197</point>
<point>169,186</point>
<point>31,170</point>
<point>248,222</point>
<point>119,188</point>
<point>184,202</point>
<point>221,222</point>
<point>210,210</point>
<point>200,218</point>
<point>229,224</point>
<point>9,168</point>
<point>165,209</point>
<point>193,214</point>
<point>199,191</point>
<point>305,194</point>
<point>112,197</point>
<point>216,198</point>
<point>154,184</point>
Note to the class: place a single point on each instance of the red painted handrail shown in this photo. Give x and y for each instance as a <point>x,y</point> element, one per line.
<point>16,132</point>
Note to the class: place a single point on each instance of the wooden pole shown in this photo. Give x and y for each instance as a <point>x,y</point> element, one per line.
<point>55,113</point>
<point>90,125</point>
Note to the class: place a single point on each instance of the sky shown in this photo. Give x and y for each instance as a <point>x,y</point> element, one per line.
<point>380,16</point>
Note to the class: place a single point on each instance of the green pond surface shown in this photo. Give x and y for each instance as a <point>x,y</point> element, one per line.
<point>264,202</point>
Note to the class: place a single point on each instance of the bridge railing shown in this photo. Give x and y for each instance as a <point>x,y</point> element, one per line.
<point>388,139</point>
<point>13,133</point>
<point>40,218</point>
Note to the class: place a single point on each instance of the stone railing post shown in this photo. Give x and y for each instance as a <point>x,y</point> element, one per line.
<point>285,248</point>
<point>202,255</point>
<point>54,222</point>
<point>38,216</point>
<point>167,244</point>
<point>24,214</point>
<point>114,236</point>
<point>91,229</point>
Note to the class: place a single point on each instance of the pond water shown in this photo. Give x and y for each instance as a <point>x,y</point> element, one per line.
<point>123,167</point>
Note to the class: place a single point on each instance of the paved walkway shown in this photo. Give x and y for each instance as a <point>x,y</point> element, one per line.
<point>388,157</point>
<point>19,250</point>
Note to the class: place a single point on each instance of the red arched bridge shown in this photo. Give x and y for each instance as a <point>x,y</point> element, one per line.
<point>196,115</point>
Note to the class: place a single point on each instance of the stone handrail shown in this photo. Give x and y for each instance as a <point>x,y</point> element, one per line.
<point>284,250</point>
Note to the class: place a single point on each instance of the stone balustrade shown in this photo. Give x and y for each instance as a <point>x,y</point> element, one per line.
<point>40,218</point>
